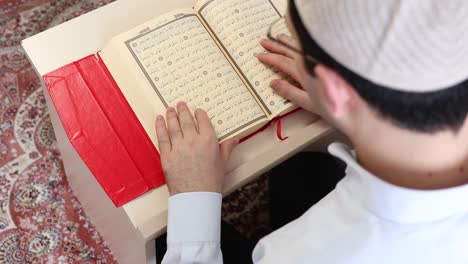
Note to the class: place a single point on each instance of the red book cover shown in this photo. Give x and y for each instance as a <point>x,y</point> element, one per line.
<point>104,130</point>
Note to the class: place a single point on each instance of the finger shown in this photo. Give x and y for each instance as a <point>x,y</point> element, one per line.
<point>284,64</point>
<point>164,141</point>
<point>204,122</point>
<point>187,124</point>
<point>227,147</point>
<point>289,40</point>
<point>175,133</point>
<point>293,93</point>
<point>277,48</point>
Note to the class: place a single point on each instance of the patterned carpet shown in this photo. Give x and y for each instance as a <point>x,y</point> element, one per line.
<point>40,219</point>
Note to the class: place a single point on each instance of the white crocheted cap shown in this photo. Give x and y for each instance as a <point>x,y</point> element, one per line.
<point>408,45</point>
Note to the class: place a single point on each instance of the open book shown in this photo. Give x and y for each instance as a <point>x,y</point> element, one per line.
<point>205,56</point>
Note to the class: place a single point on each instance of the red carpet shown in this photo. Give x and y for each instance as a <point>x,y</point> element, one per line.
<point>40,219</point>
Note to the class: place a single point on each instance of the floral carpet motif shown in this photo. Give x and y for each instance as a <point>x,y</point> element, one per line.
<point>40,219</point>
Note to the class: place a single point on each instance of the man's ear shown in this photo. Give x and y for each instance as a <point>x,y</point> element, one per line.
<point>339,96</point>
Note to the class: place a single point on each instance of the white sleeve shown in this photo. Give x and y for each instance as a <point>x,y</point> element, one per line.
<point>193,229</point>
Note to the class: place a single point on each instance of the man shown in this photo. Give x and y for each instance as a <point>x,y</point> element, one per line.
<point>393,76</point>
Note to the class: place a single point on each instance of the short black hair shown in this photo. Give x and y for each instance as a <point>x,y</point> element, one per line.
<point>427,112</point>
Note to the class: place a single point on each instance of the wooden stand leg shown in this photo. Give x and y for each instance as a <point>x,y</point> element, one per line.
<point>151,251</point>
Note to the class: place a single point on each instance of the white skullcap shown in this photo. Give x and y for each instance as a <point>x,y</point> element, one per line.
<point>408,45</point>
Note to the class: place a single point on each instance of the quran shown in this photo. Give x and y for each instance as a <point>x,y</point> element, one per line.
<point>205,56</point>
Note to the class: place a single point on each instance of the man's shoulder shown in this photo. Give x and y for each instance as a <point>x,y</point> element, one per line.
<point>339,229</point>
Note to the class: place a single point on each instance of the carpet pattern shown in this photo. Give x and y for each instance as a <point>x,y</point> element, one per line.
<point>41,221</point>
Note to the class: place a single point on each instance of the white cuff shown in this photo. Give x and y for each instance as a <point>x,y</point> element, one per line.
<point>194,217</point>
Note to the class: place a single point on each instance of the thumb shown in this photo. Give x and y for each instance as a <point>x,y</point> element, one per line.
<point>227,147</point>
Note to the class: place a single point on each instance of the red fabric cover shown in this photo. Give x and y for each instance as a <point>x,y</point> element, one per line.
<point>104,130</point>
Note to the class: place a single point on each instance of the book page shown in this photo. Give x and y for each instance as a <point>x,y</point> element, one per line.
<point>175,59</point>
<point>239,26</point>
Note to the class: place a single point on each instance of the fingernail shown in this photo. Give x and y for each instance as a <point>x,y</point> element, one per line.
<point>160,118</point>
<point>275,84</point>
<point>170,109</point>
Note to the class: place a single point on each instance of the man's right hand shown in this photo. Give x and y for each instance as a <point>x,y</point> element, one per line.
<point>284,60</point>
<point>192,158</point>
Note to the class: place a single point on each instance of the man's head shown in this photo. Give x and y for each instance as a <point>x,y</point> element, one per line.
<point>383,85</point>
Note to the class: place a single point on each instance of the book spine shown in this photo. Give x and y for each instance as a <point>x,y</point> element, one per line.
<point>128,126</point>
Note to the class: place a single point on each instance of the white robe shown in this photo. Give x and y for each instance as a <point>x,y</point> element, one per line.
<point>363,221</point>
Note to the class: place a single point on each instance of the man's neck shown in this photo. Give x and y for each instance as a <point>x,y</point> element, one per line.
<point>416,161</point>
